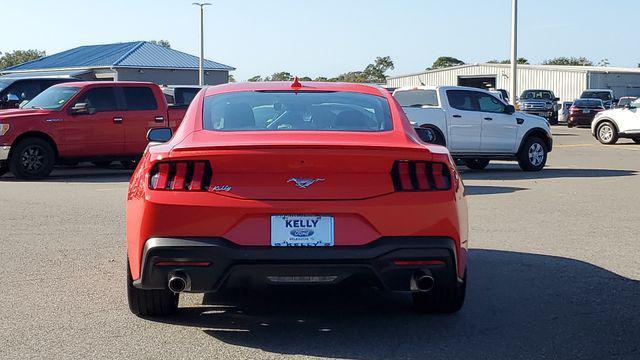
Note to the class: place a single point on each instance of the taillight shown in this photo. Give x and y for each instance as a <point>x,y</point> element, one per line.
<point>420,176</point>
<point>181,176</point>
<point>573,109</point>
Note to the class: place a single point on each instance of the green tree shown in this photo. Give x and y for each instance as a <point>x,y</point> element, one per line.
<point>445,62</point>
<point>232,79</point>
<point>305,78</point>
<point>256,78</point>
<point>161,42</point>
<point>19,56</point>
<point>322,78</point>
<point>573,61</point>
<point>375,72</point>
<point>280,76</point>
<point>521,61</point>
<point>604,62</point>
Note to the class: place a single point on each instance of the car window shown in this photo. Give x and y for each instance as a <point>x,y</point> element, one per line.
<point>537,95</point>
<point>588,103</point>
<point>602,95</point>
<point>296,111</point>
<point>25,89</point>
<point>461,99</point>
<point>99,99</point>
<point>416,98</point>
<point>489,103</point>
<point>139,98</point>
<point>184,96</point>
<point>53,98</point>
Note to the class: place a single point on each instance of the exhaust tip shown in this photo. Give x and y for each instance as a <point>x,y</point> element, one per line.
<point>422,281</point>
<point>177,283</point>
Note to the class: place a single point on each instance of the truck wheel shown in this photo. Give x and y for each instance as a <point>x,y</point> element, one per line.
<point>3,169</point>
<point>32,159</point>
<point>554,119</point>
<point>607,133</point>
<point>476,164</point>
<point>444,298</point>
<point>533,155</point>
<point>150,302</point>
<point>635,140</point>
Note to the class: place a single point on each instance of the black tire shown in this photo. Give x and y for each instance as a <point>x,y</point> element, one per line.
<point>32,159</point>
<point>476,164</point>
<point>102,164</point>
<point>606,133</point>
<point>445,298</point>
<point>635,140</point>
<point>554,119</point>
<point>533,155</point>
<point>149,303</point>
<point>4,169</point>
<point>569,125</point>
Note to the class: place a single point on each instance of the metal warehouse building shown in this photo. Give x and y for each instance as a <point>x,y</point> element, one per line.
<point>567,82</point>
<point>131,61</point>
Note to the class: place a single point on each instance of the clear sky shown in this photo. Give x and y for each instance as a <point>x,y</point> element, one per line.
<point>329,37</point>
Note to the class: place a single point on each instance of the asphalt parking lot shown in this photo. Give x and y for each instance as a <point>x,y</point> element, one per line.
<point>554,274</point>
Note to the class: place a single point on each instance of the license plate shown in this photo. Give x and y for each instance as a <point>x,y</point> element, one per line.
<point>586,111</point>
<point>301,230</point>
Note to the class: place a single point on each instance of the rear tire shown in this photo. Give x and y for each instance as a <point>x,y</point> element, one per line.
<point>476,164</point>
<point>32,159</point>
<point>4,169</point>
<point>606,133</point>
<point>533,155</point>
<point>444,298</point>
<point>636,140</point>
<point>149,303</point>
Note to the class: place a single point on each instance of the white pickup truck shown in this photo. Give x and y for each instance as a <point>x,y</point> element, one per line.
<point>476,126</point>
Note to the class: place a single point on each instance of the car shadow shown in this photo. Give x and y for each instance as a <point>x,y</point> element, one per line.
<point>518,306</point>
<point>513,172</point>
<point>491,190</point>
<point>80,174</point>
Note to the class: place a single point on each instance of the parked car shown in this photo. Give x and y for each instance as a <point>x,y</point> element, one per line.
<point>505,95</point>
<point>540,102</point>
<point>82,121</point>
<point>14,91</point>
<point>625,100</point>
<point>180,94</point>
<point>499,95</point>
<point>302,200</point>
<point>610,125</point>
<point>564,113</point>
<point>583,111</point>
<point>606,95</point>
<point>476,126</point>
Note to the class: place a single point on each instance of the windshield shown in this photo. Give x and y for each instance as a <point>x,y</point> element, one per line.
<point>4,84</point>
<point>537,95</point>
<point>53,98</point>
<point>589,103</point>
<point>301,111</point>
<point>417,98</point>
<point>602,95</point>
<point>184,96</point>
<point>625,101</point>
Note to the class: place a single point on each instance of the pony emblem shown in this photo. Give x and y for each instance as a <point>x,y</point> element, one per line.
<point>304,183</point>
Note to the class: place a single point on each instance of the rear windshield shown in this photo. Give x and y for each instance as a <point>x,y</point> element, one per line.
<point>416,98</point>
<point>301,111</point>
<point>588,103</point>
<point>537,95</point>
<point>602,95</point>
<point>184,96</point>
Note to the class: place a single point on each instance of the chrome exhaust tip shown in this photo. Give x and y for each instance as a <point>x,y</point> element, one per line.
<point>177,283</point>
<point>421,281</point>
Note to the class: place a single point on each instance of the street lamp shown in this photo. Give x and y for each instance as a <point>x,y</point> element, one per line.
<point>200,67</point>
<point>514,51</point>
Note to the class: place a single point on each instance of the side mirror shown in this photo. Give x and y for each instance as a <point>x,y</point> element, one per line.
<point>79,109</point>
<point>426,134</point>
<point>159,135</point>
<point>556,99</point>
<point>510,109</point>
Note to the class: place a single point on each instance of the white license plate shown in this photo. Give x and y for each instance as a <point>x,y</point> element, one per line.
<point>301,230</point>
<point>586,111</point>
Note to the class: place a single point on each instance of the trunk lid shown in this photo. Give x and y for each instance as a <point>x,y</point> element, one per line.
<point>297,166</point>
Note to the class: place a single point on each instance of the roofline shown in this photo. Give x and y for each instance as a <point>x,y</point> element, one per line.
<point>134,48</point>
<point>167,68</point>
<point>582,69</point>
<point>89,68</point>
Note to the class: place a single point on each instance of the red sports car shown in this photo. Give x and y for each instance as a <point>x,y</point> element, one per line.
<point>274,184</point>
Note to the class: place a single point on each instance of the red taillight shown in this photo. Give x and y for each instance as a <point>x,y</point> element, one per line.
<point>420,176</point>
<point>573,109</point>
<point>418,262</point>
<point>181,176</point>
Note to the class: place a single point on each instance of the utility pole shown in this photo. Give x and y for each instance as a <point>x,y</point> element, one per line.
<point>200,67</point>
<point>514,51</point>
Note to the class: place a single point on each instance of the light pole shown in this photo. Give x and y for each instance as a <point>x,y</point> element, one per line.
<point>200,68</point>
<point>514,51</point>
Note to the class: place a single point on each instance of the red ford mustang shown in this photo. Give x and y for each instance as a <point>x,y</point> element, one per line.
<point>272,184</point>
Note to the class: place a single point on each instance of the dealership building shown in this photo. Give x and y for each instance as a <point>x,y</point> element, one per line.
<point>567,82</point>
<point>130,61</point>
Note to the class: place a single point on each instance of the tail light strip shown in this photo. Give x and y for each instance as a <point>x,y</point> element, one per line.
<point>181,176</point>
<point>420,176</point>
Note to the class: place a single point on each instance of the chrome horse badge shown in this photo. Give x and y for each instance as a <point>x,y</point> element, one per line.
<point>304,183</point>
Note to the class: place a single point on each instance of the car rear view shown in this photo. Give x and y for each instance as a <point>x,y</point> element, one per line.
<point>280,184</point>
<point>583,111</point>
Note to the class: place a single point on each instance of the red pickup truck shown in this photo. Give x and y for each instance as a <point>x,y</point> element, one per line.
<point>82,121</point>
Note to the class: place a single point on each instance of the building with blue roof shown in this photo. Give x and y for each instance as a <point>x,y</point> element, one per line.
<point>131,61</point>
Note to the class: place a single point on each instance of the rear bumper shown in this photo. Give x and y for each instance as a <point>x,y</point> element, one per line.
<point>230,265</point>
<point>580,120</point>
